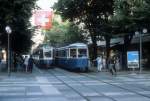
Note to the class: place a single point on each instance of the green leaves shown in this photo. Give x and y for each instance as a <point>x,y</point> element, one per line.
<point>63,33</point>
<point>131,15</point>
<point>16,13</point>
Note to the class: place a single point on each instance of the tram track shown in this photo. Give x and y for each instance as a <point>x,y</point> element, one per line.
<point>69,85</point>
<point>91,76</point>
<point>81,84</point>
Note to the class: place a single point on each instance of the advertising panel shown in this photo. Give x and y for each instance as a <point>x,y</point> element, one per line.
<point>133,59</point>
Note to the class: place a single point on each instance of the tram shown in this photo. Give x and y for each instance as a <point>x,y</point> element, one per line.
<point>43,56</point>
<point>74,57</point>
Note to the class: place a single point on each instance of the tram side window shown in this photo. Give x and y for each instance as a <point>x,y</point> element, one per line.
<point>57,53</point>
<point>73,53</point>
<point>62,53</point>
<point>48,54</point>
<point>82,53</point>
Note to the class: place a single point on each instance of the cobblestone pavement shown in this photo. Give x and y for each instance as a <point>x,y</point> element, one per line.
<point>61,85</point>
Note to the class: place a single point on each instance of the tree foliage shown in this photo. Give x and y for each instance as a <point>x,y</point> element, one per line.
<point>16,14</point>
<point>63,33</point>
<point>131,15</point>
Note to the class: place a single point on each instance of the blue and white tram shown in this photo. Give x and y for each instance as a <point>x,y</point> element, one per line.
<point>43,56</point>
<point>74,56</point>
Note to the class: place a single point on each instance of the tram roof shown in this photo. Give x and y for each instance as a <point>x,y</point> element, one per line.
<point>78,45</point>
<point>75,45</point>
<point>44,48</point>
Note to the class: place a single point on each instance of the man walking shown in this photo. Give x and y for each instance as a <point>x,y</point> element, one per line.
<point>30,63</point>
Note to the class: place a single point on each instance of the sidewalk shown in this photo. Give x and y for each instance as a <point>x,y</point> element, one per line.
<point>121,72</point>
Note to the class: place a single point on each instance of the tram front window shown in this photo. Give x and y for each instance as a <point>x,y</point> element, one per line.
<point>48,54</point>
<point>82,53</point>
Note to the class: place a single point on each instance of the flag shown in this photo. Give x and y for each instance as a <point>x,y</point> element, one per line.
<point>43,19</point>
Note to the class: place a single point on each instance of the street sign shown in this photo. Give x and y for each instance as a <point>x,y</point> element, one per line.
<point>133,59</point>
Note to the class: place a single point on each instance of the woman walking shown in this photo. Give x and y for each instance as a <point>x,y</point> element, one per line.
<point>112,67</point>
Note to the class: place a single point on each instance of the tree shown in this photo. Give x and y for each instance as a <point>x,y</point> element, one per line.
<point>63,33</point>
<point>93,13</point>
<point>16,14</point>
<point>74,34</point>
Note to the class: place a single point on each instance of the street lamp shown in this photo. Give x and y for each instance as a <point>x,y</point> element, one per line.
<point>8,31</point>
<point>140,37</point>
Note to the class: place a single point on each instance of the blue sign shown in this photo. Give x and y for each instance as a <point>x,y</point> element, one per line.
<point>133,59</point>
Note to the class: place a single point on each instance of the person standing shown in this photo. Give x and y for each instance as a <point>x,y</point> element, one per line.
<point>104,62</point>
<point>26,63</point>
<point>99,63</point>
<point>117,63</point>
<point>30,64</point>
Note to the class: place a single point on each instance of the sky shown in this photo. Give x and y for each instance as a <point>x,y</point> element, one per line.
<point>46,4</point>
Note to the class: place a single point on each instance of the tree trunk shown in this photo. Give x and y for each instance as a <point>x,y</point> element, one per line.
<point>107,38</point>
<point>94,47</point>
<point>127,42</point>
<point>124,56</point>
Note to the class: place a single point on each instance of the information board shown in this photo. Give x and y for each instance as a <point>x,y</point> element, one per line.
<point>133,59</point>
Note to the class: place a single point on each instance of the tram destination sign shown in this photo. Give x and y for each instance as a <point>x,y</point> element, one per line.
<point>133,59</point>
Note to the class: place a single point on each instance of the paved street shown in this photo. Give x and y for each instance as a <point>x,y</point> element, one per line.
<point>61,85</point>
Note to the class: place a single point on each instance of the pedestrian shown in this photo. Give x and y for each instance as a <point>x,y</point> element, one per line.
<point>99,63</point>
<point>112,63</point>
<point>0,59</point>
<point>20,62</point>
<point>26,63</point>
<point>30,63</point>
<point>104,62</point>
<point>15,62</point>
<point>117,63</point>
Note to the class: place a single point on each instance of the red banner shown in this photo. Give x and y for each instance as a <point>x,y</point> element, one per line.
<point>43,19</point>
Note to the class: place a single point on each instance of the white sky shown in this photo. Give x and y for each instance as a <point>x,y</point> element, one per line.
<point>46,4</point>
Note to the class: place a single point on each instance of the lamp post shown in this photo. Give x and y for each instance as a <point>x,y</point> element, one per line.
<point>140,37</point>
<point>8,30</point>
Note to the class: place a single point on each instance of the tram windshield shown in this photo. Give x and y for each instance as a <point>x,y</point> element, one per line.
<point>82,53</point>
<point>48,54</point>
